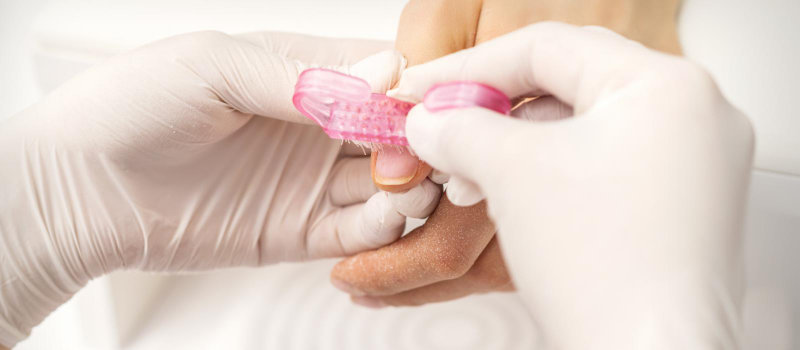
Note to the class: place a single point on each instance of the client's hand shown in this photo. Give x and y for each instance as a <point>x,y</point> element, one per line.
<point>432,28</point>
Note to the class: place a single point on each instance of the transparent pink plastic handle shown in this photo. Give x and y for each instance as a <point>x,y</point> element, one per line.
<point>346,109</point>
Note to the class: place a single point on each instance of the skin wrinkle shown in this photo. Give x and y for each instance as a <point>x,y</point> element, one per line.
<point>474,34</point>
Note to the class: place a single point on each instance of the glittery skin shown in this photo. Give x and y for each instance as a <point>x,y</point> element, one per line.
<point>444,248</point>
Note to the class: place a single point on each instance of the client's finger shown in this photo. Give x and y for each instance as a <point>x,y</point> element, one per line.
<point>488,274</point>
<point>444,248</point>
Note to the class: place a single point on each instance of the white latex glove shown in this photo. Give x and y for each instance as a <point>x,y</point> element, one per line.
<point>186,154</point>
<point>621,225</point>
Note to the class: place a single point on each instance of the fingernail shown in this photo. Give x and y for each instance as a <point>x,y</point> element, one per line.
<point>370,302</point>
<point>347,287</point>
<point>395,166</point>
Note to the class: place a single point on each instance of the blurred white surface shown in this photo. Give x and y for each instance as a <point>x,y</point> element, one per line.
<point>18,87</point>
<point>294,307</point>
<point>289,306</point>
<point>750,46</point>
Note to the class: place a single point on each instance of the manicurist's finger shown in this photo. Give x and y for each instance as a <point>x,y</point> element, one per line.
<point>350,181</point>
<point>418,202</point>
<point>463,192</point>
<point>575,64</point>
<point>356,228</point>
<point>254,80</point>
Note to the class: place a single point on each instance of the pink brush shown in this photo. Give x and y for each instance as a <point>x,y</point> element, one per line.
<point>346,109</point>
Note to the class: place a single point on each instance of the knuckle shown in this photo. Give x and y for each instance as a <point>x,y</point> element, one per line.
<point>684,81</point>
<point>451,265</point>
<point>689,71</point>
<point>689,75</point>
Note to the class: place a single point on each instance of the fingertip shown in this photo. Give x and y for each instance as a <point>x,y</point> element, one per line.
<point>397,170</point>
<point>381,70</point>
<point>423,128</point>
<point>382,223</point>
<point>343,286</point>
<point>408,86</point>
<point>459,141</point>
<point>439,177</point>
<point>394,165</point>
<point>462,192</point>
<point>418,202</point>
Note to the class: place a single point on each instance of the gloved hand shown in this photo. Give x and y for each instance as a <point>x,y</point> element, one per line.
<point>621,225</point>
<point>186,154</point>
<point>431,29</point>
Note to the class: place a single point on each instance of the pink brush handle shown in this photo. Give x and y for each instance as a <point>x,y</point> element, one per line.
<point>465,94</point>
<point>345,109</point>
